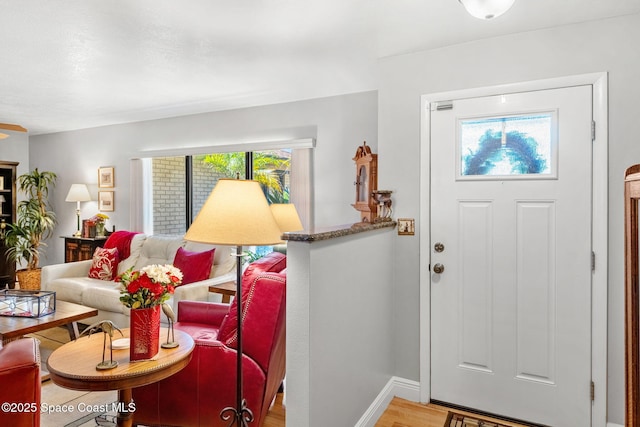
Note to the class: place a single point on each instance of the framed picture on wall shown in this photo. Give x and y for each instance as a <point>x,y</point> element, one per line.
<point>105,201</point>
<point>105,177</point>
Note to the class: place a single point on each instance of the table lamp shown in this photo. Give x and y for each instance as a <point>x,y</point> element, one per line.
<point>78,193</point>
<point>238,214</point>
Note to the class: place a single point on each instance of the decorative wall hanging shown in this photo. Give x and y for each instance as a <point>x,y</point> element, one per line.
<point>105,177</point>
<point>366,183</point>
<point>406,227</point>
<point>105,201</point>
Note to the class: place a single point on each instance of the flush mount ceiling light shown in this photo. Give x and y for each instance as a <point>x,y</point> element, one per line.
<point>486,9</point>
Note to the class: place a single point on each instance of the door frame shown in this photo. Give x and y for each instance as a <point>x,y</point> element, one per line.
<point>599,211</point>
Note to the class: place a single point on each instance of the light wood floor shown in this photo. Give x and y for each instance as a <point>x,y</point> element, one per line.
<point>404,413</point>
<point>399,413</point>
<point>276,415</point>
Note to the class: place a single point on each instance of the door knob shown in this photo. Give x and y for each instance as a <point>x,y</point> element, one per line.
<point>438,268</point>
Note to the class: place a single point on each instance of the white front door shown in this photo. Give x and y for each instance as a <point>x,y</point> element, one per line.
<point>511,228</point>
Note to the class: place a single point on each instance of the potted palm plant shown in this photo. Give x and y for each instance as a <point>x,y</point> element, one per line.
<point>35,223</point>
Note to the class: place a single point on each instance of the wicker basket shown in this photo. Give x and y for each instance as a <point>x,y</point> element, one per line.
<point>29,279</point>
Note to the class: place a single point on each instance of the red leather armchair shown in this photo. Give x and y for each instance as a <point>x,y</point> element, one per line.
<point>20,367</point>
<point>196,395</point>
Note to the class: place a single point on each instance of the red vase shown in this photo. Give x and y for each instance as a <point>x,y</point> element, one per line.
<point>144,333</point>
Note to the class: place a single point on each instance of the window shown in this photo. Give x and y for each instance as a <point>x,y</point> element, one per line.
<point>511,146</point>
<point>182,184</point>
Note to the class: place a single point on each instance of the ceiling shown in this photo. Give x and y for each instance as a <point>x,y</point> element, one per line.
<point>73,64</point>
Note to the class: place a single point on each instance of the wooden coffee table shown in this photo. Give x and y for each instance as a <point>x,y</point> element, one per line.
<point>73,366</point>
<point>66,314</point>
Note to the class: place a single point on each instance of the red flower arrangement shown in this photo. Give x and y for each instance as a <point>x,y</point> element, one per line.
<point>149,286</point>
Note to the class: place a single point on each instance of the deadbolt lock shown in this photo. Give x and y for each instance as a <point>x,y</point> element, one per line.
<point>438,247</point>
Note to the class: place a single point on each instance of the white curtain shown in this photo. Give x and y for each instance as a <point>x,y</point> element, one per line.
<point>302,184</point>
<point>141,214</point>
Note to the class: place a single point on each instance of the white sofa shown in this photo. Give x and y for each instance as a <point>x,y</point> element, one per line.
<point>71,283</point>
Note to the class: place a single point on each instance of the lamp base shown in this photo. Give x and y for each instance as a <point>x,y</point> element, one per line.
<point>240,417</point>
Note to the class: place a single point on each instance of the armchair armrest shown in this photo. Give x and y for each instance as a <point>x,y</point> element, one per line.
<point>203,312</point>
<point>70,269</point>
<point>20,366</point>
<point>18,354</point>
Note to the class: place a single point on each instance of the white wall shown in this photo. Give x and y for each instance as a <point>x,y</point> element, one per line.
<point>339,124</point>
<point>605,45</point>
<point>339,327</point>
<point>16,149</point>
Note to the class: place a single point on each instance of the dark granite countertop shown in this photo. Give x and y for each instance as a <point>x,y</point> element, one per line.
<point>326,233</point>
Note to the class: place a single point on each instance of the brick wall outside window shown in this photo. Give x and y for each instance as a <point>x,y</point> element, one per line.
<point>169,192</point>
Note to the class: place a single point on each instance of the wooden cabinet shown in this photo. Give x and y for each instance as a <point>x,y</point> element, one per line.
<point>632,295</point>
<point>81,248</point>
<point>7,216</point>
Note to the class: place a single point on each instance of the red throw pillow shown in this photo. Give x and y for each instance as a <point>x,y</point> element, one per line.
<point>105,264</point>
<point>195,266</point>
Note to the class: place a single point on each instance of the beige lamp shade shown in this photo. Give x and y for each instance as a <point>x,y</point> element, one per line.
<point>236,213</point>
<point>78,193</point>
<point>286,216</point>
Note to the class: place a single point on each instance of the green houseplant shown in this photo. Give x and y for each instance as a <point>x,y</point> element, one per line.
<point>35,223</point>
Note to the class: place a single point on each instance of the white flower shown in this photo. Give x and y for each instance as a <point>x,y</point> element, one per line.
<point>161,273</point>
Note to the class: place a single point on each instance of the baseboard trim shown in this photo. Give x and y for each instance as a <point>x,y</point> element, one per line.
<point>614,425</point>
<point>396,387</point>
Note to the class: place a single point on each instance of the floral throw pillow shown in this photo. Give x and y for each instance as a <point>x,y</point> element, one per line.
<point>105,264</point>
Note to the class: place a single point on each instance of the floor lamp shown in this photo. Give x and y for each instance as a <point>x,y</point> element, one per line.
<point>78,193</point>
<point>236,214</point>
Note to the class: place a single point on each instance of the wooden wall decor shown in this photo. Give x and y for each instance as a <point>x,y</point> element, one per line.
<point>366,183</point>
<point>632,303</point>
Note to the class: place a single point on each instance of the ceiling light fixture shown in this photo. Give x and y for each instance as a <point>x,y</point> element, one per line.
<point>11,127</point>
<point>486,9</point>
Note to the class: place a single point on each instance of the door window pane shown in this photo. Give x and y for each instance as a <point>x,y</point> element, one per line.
<point>511,146</point>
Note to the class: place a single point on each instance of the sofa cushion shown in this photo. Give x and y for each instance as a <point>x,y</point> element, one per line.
<point>104,264</point>
<point>158,250</point>
<point>71,288</point>
<point>195,266</point>
<point>104,296</point>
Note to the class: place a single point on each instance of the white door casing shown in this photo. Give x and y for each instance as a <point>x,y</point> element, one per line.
<point>488,325</point>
